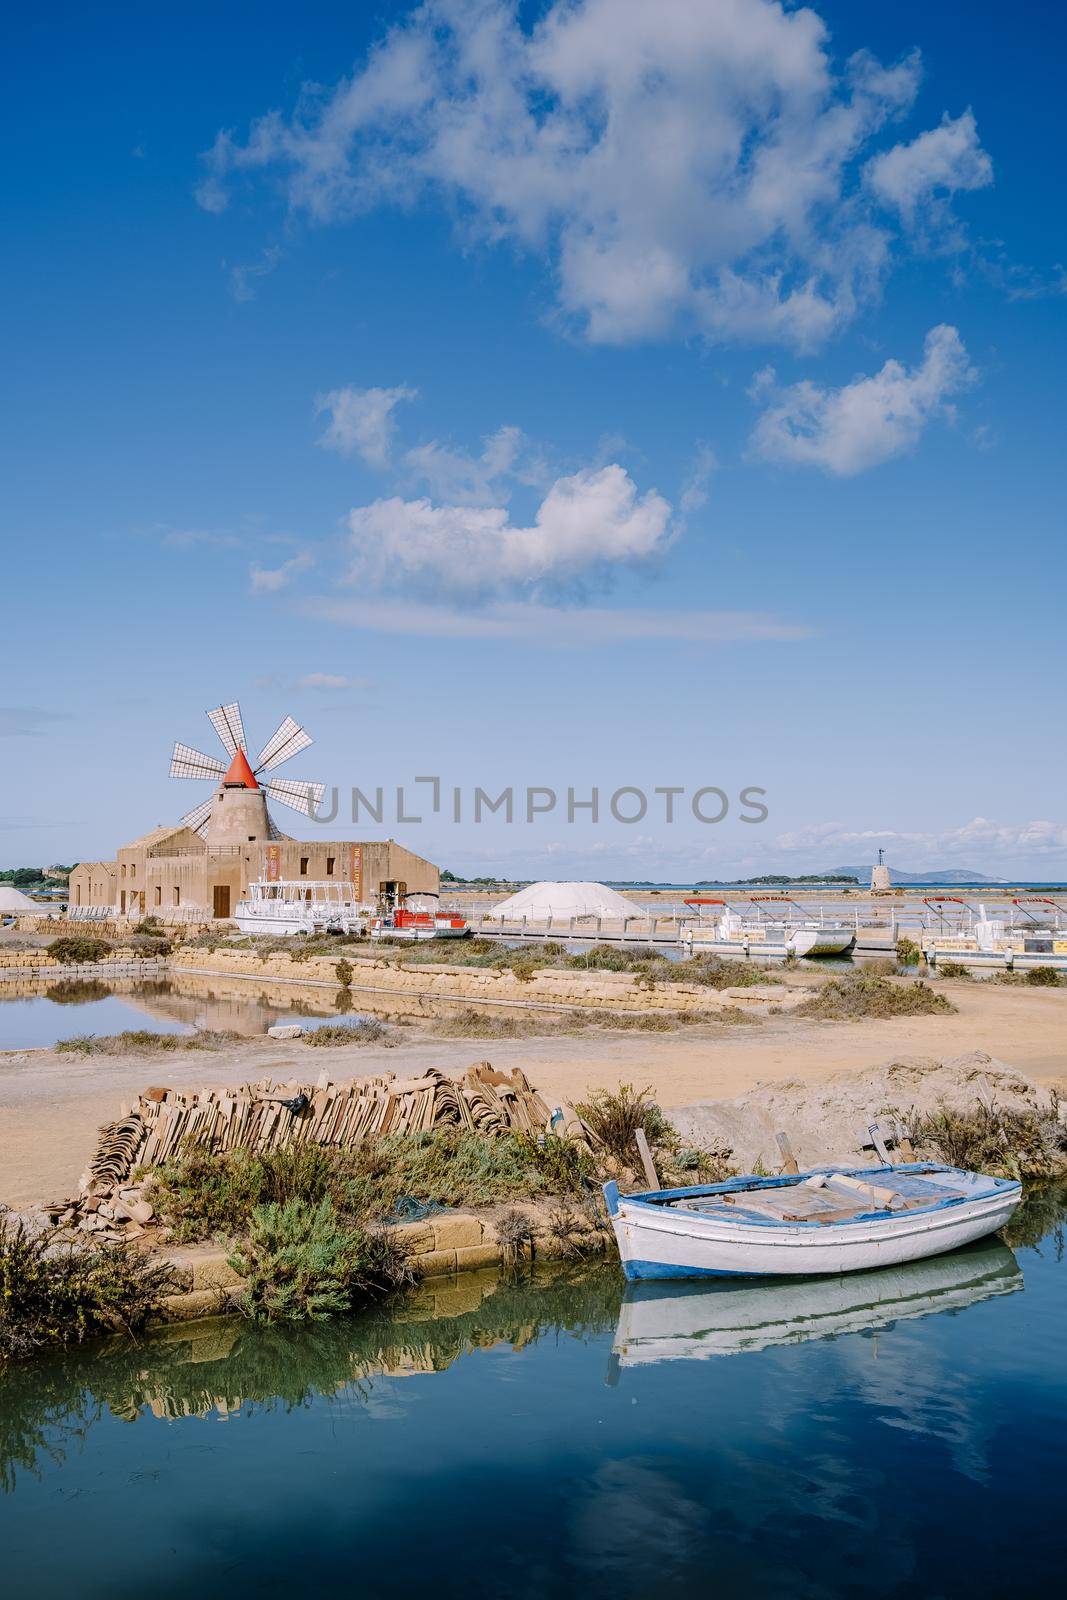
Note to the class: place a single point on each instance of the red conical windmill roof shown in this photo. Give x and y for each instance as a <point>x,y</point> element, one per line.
<point>239,774</point>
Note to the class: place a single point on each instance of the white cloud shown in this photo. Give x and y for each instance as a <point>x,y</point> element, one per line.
<point>675,162</point>
<point>506,458</point>
<point>361,421</point>
<point>268,580</point>
<point>937,163</point>
<point>867,421</point>
<point>587,525</point>
<point>978,839</point>
<point>554,626</point>
<point>243,279</point>
<point>324,680</point>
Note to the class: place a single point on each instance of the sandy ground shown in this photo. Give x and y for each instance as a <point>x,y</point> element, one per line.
<point>51,1105</point>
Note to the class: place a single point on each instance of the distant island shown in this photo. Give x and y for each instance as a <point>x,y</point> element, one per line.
<point>776,879</point>
<point>944,875</point>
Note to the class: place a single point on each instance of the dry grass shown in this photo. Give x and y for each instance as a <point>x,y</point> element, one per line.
<point>1035,978</point>
<point>850,998</point>
<point>990,1138</point>
<point>365,1030</point>
<point>613,1118</point>
<point>141,1041</point>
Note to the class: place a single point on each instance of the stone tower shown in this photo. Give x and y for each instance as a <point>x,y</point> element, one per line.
<point>238,808</point>
<point>880,883</point>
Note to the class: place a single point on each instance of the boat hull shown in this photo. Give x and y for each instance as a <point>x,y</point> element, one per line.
<point>822,941</point>
<point>657,1241</point>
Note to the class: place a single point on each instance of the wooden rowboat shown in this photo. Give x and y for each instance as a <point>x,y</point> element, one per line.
<point>827,1220</point>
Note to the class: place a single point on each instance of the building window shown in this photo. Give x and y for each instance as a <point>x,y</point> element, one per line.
<point>78,895</point>
<point>177,896</point>
<point>124,869</point>
<point>303,866</point>
<point>159,894</point>
<point>329,866</point>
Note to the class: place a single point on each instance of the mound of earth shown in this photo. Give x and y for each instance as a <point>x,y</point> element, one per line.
<point>828,1121</point>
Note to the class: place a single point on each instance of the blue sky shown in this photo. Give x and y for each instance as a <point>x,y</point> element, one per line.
<point>579,396</point>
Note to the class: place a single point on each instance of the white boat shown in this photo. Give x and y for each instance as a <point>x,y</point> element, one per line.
<point>733,934</point>
<point>1023,942</point>
<point>297,905</point>
<point>696,1321</point>
<point>828,1220</point>
<point>414,920</point>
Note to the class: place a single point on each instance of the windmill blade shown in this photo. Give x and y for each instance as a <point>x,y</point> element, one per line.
<point>197,818</point>
<point>291,792</point>
<point>226,721</point>
<point>273,830</point>
<point>189,763</point>
<point>288,739</point>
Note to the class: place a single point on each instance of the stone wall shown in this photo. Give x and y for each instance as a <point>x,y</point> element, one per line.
<point>31,966</point>
<point>565,990</point>
<point>440,1246</point>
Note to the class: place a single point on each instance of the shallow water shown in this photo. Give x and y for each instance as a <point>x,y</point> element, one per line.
<point>889,1433</point>
<point>40,1020</point>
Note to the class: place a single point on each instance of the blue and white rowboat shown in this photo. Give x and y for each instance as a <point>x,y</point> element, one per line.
<point>827,1220</point>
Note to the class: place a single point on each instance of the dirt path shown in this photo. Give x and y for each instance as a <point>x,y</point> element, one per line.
<point>51,1105</point>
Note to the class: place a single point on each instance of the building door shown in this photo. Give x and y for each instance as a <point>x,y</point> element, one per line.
<point>222,900</point>
<point>122,900</point>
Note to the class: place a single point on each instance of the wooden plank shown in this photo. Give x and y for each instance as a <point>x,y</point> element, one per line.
<point>786,1149</point>
<point>643,1150</point>
<point>875,1131</point>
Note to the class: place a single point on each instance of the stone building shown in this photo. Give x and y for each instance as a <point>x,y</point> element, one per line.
<point>181,870</point>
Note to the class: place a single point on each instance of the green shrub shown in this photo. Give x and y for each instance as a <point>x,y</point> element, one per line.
<point>55,1293</point>
<point>79,947</point>
<point>302,1263</point>
<point>202,1194</point>
<point>909,954</point>
<point>345,972</point>
<point>718,972</point>
<point>955,969</point>
<point>457,1167</point>
<point>1043,978</point>
<point>847,999</point>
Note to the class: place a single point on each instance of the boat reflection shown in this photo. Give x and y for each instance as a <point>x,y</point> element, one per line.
<point>679,1321</point>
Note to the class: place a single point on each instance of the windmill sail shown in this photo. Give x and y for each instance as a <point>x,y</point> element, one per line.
<point>189,763</point>
<point>197,818</point>
<point>288,739</point>
<point>226,721</point>
<point>291,792</point>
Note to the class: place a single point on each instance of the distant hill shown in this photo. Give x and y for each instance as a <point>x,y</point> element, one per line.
<point>944,876</point>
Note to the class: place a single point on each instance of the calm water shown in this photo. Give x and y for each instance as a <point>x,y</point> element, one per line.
<point>68,1009</point>
<point>894,1433</point>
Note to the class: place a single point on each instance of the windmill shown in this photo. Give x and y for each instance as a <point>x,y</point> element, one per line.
<point>242,782</point>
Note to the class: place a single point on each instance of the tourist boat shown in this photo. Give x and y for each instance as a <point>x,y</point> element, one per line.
<point>759,935</point>
<point>413,920</point>
<point>827,1220</point>
<point>291,906</point>
<point>1026,940</point>
<point>697,1321</point>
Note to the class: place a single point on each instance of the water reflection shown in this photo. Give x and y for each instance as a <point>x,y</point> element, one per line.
<point>224,1367</point>
<point>694,1321</point>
